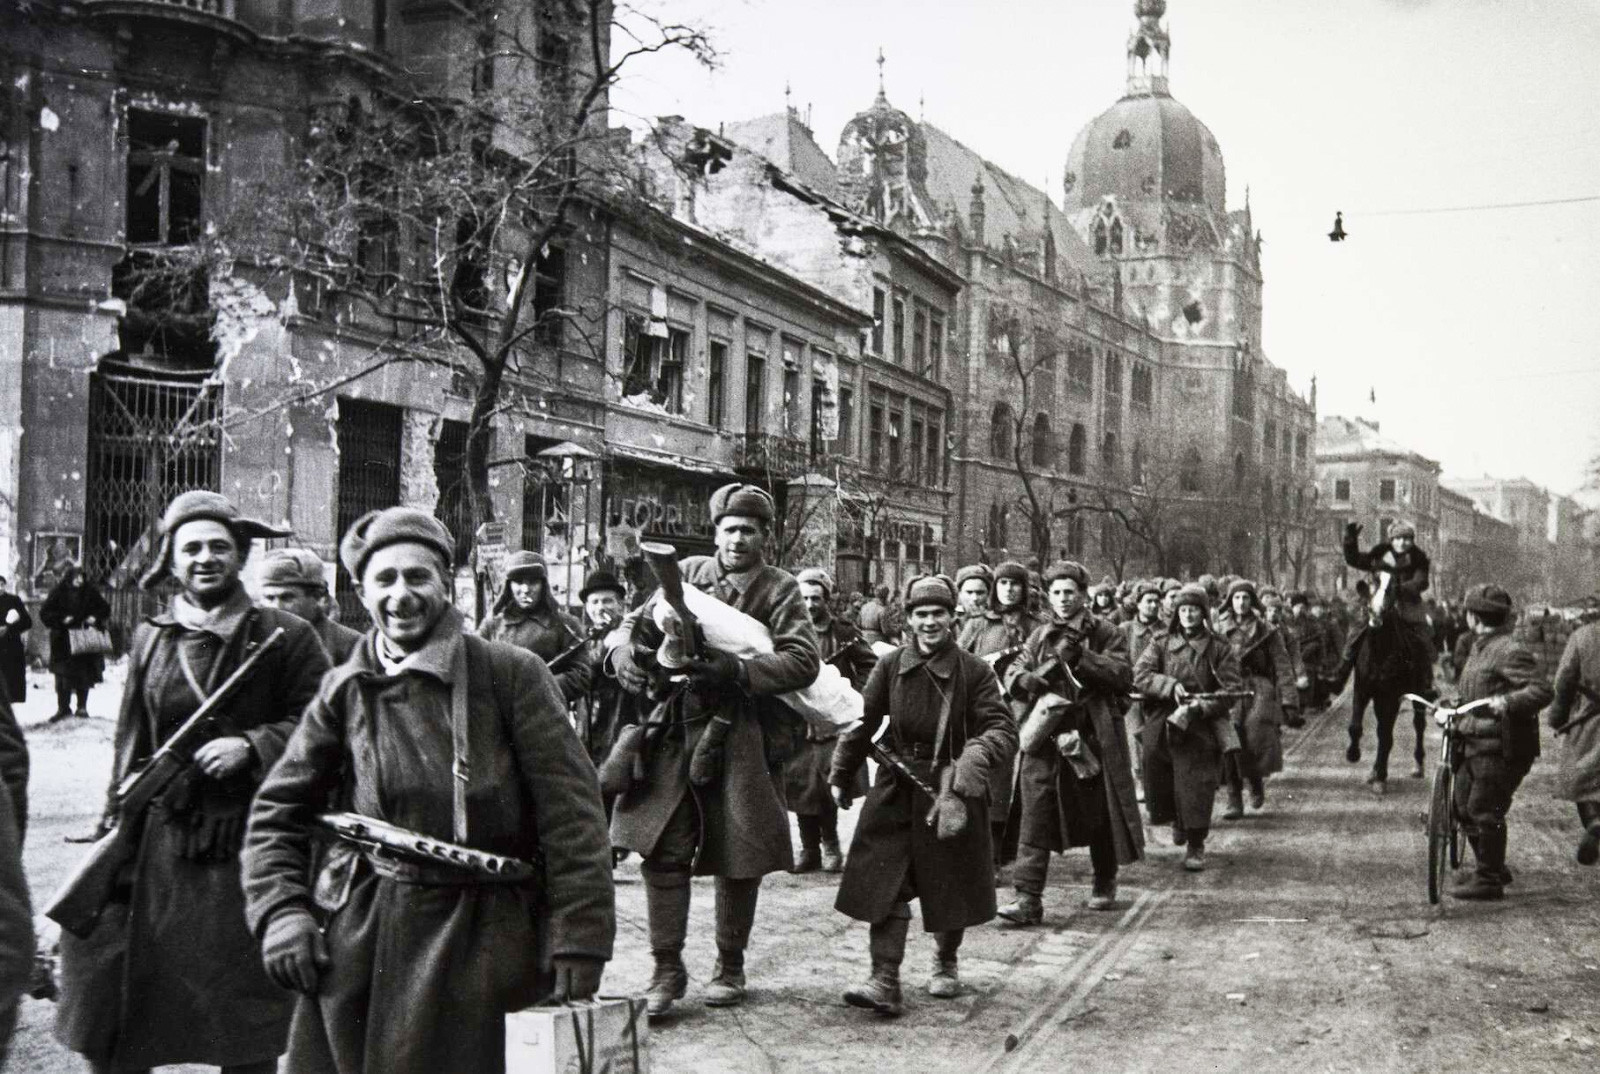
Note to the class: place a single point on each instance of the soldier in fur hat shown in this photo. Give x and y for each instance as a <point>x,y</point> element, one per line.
<point>171,974</point>
<point>950,726</point>
<point>525,615</point>
<point>293,580</point>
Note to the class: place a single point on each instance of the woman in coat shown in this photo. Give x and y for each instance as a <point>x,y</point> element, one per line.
<point>73,603</point>
<point>1264,662</point>
<point>171,973</point>
<point>997,633</point>
<point>1573,714</point>
<point>945,715</point>
<point>1184,740</point>
<point>463,740</point>
<point>1063,807</point>
<point>14,624</point>
<point>525,615</point>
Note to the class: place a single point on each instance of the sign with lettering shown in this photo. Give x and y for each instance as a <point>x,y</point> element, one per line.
<point>659,502</point>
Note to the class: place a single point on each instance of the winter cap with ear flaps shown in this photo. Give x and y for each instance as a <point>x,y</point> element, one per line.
<point>294,566</point>
<point>817,576</point>
<point>1013,570</point>
<point>196,506</point>
<point>524,565</point>
<point>1488,599</point>
<point>1067,569</point>
<point>930,589</point>
<point>980,571</point>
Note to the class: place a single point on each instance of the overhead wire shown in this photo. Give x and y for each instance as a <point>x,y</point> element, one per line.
<point>1485,207</point>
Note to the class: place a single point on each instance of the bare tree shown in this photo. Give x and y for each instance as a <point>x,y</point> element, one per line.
<point>435,206</point>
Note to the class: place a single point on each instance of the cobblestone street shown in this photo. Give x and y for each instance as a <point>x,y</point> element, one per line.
<point>1308,944</point>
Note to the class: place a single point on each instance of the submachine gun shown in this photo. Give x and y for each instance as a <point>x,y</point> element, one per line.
<point>77,904</point>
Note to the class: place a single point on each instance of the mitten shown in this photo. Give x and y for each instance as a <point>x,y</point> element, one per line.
<point>616,771</point>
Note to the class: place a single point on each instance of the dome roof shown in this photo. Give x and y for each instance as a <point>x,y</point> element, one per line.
<point>1145,148</point>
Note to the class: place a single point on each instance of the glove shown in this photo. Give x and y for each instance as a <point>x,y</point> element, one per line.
<point>577,978</point>
<point>1352,530</point>
<point>616,771</point>
<point>842,797</point>
<point>293,951</point>
<point>627,670</point>
<point>715,666</point>
<point>705,764</point>
<point>1029,683</point>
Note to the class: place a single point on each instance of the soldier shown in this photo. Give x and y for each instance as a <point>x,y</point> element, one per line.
<point>1572,714</point>
<point>1264,665</point>
<point>14,623</point>
<point>872,611</point>
<point>1308,634</point>
<point>1184,739</point>
<point>455,738</point>
<point>1170,588</point>
<point>732,825</point>
<point>950,727</point>
<point>1401,557</point>
<point>998,634</point>
<point>1145,626</point>
<point>171,974</point>
<point>1501,742</point>
<point>525,615</point>
<point>806,773</point>
<point>1277,615</point>
<point>292,580</point>
<point>973,583</point>
<point>1077,783</point>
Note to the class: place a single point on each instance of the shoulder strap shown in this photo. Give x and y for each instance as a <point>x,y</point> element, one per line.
<point>460,766</point>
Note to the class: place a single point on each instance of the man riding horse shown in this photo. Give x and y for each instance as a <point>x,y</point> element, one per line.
<point>1401,571</point>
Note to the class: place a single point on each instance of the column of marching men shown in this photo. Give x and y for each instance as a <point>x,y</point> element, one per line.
<point>1012,714</point>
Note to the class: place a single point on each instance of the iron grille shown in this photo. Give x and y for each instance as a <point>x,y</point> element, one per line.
<point>150,439</point>
<point>369,479</point>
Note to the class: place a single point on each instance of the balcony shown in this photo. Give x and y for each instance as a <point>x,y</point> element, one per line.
<point>212,14</point>
<point>772,455</point>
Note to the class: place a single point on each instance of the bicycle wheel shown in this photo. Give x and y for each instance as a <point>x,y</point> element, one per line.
<point>1441,831</point>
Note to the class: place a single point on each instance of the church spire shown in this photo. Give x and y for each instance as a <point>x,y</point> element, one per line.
<point>882,96</point>
<point>1148,50</point>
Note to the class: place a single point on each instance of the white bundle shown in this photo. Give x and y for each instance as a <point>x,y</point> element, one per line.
<point>830,704</point>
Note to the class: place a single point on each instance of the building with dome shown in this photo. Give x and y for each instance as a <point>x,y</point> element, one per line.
<point>1109,394</point>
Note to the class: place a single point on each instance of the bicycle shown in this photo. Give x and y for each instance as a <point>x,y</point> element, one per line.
<point>1444,828</point>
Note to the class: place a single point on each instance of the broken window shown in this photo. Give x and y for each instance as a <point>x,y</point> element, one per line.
<point>755,394</point>
<point>1193,312</point>
<point>716,382</point>
<point>1123,140</point>
<point>166,178</point>
<point>549,291</point>
<point>653,363</point>
<point>879,300</point>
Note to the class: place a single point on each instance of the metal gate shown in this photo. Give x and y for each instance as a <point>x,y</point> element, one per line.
<point>369,479</point>
<point>151,437</point>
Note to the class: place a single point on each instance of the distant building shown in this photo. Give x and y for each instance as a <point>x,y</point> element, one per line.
<point>1366,477</point>
<point>1555,561</point>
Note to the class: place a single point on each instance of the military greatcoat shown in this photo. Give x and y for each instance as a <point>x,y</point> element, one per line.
<point>805,774</point>
<point>1059,810</point>
<point>1265,665</point>
<point>953,879</point>
<point>172,974</point>
<point>986,634</point>
<point>424,968</point>
<point>1183,768</point>
<point>1575,712</point>
<point>742,821</point>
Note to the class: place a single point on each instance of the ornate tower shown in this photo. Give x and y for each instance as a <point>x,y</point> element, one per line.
<point>1149,49</point>
<point>883,164</point>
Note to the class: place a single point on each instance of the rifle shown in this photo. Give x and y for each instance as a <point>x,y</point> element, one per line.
<point>382,839</point>
<point>887,756</point>
<point>76,905</point>
<point>691,641</point>
<point>1214,695</point>
<point>559,662</point>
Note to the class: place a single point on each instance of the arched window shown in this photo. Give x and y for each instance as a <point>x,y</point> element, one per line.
<point>1077,449</point>
<point>1238,470</point>
<point>997,525</point>
<point>1138,464</point>
<point>1116,236</point>
<point>1099,235</point>
<point>1075,535</point>
<point>1002,427</point>
<point>1108,453</point>
<point>1189,475</point>
<point>1044,444</point>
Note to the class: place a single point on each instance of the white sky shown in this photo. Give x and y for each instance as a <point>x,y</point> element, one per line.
<point>1470,327</point>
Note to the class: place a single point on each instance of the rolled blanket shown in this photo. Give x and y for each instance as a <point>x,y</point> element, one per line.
<point>830,704</point>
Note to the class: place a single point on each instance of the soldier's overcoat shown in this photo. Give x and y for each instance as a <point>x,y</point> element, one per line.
<point>1183,768</point>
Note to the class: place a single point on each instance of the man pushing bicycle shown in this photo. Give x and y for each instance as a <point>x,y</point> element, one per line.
<point>1500,741</point>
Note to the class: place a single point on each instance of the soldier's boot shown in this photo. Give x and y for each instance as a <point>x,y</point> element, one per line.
<point>1194,857</point>
<point>810,858</point>
<point>1589,844</point>
<point>1179,835</point>
<point>1258,792</point>
<point>736,914</point>
<point>1103,895</point>
<point>832,857</point>
<point>1235,808</point>
<point>945,983</point>
<point>1025,910</point>
<point>886,943</point>
<point>1487,882</point>
<point>667,908</point>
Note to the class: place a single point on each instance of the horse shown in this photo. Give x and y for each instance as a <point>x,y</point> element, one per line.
<point>1388,664</point>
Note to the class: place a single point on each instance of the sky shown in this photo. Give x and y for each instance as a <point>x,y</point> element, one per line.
<point>1470,329</point>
